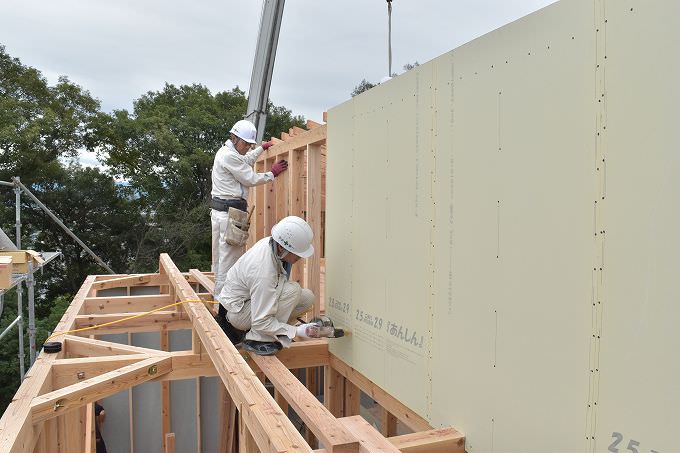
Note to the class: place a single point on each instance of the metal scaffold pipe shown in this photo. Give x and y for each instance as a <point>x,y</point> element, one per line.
<point>61,224</point>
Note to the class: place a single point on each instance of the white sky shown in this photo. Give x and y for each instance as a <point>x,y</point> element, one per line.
<point>119,50</point>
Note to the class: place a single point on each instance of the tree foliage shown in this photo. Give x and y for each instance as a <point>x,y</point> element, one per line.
<point>150,198</point>
<point>365,85</point>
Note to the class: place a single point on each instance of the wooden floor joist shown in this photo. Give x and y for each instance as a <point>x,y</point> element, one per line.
<point>60,388</point>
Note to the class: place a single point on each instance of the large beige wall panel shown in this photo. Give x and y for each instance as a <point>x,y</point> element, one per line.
<point>470,209</point>
<point>639,369</point>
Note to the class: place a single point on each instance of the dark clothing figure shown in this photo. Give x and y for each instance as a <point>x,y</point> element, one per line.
<point>99,415</point>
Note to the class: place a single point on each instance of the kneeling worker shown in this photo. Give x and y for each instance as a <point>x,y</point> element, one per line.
<point>257,301</point>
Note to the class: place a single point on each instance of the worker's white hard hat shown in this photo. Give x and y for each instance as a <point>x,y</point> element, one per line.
<point>245,130</point>
<point>295,235</point>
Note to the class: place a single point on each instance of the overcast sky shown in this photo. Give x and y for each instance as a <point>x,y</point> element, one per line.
<point>119,50</point>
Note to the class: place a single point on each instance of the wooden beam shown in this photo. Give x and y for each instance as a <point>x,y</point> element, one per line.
<point>202,280</point>
<point>334,391</point>
<point>371,439</point>
<point>312,124</point>
<point>89,347</point>
<point>272,430</point>
<point>74,396</point>
<point>314,220</point>
<point>165,395</point>
<point>131,280</point>
<point>388,422</point>
<point>18,433</point>
<point>66,372</point>
<point>352,399</point>
<point>317,135</point>
<point>334,437</point>
<point>90,430</point>
<point>158,319</point>
<point>394,406</point>
<point>122,304</point>
<point>296,179</point>
<point>442,440</point>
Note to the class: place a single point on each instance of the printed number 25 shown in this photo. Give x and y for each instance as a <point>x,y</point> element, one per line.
<point>618,437</point>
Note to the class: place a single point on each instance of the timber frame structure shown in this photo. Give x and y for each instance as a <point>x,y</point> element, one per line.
<point>54,405</point>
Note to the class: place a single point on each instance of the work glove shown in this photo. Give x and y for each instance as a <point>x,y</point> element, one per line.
<point>267,145</point>
<point>279,167</point>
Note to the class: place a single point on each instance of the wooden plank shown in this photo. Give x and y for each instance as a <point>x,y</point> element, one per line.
<point>334,437</point>
<point>17,431</point>
<point>227,421</point>
<point>71,398</point>
<point>90,428</point>
<point>66,372</point>
<point>352,399</point>
<point>314,219</point>
<point>388,423</point>
<point>371,439</point>
<point>89,347</point>
<point>282,189</point>
<point>203,280</point>
<point>158,319</point>
<point>165,393</point>
<point>247,443</point>
<point>270,218</point>
<point>442,440</point>
<point>272,430</point>
<point>312,124</point>
<point>296,176</point>
<point>131,280</point>
<point>334,391</point>
<point>315,136</point>
<point>169,443</point>
<point>154,327</point>
<point>122,304</point>
<point>394,406</point>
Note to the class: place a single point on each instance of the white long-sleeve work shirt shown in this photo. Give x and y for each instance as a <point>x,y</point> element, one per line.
<point>258,276</point>
<point>233,174</point>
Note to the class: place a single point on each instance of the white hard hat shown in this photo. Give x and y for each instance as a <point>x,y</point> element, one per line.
<point>295,235</point>
<point>245,130</point>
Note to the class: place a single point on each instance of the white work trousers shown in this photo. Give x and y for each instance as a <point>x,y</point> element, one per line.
<point>293,302</point>
<point>223,255</point>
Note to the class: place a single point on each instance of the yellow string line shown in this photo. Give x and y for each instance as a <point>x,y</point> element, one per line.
<point>138,315</point>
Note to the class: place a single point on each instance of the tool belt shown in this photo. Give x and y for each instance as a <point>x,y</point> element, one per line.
<point>220,204</point>
<point>235,335</point>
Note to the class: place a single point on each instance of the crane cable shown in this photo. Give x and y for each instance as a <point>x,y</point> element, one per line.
<point>389,38</point>
<point>138,315</point>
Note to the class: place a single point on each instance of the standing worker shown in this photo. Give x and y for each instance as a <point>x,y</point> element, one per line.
<point>257,301</point>
<point>232,175</point>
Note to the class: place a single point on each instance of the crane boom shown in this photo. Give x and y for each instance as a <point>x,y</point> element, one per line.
<point>263,66</point>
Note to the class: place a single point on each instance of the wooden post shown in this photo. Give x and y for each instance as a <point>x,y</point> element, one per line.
<point>246,442</point>
<point>165,393</point>
<point>296,198</point>
<point>352,399</point>
<point>314,219</point>
<point>334,391</point>
<point>388,423</point>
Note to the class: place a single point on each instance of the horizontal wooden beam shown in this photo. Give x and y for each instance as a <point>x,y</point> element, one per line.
<point>89,347</point>
<point>315,136</point>
<point>121,321</point>
<point>72,397</point>
<point>123,304</point>
<point>131,280</point>
<point>442,440</point>
<point>330,432</point>
<point>198,277</point>
<point>270,427</point>
<point>394,406</point>
<point>371,439</point>
<point>66,372</point>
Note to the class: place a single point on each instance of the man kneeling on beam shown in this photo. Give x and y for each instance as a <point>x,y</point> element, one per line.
<point>257,301</point>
